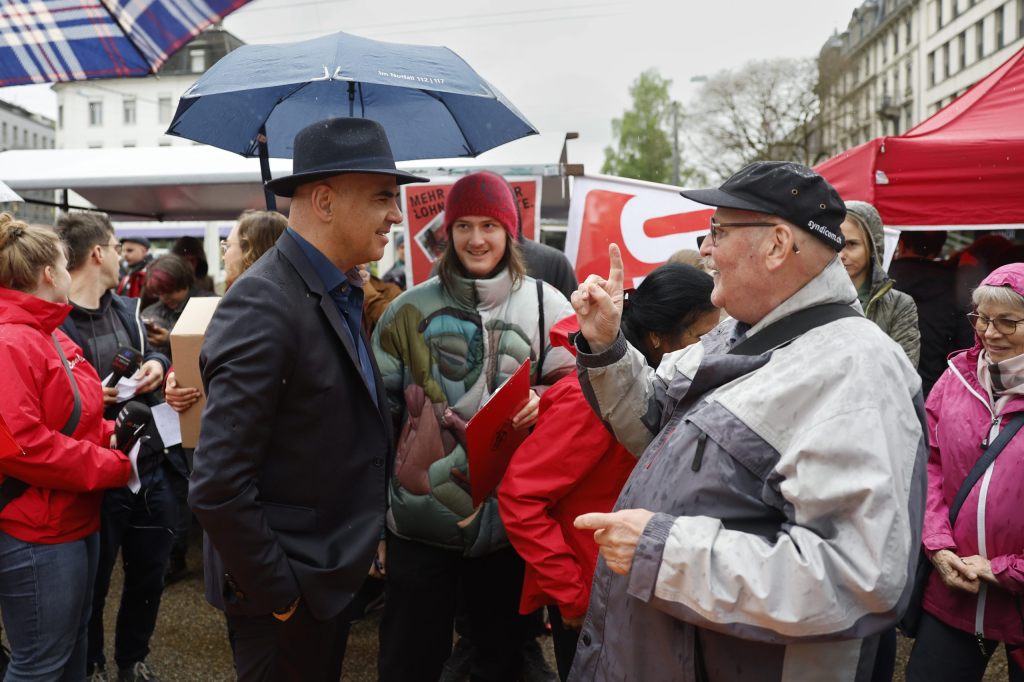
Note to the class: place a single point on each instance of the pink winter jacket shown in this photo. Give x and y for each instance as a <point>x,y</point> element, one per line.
<point>959,419</point>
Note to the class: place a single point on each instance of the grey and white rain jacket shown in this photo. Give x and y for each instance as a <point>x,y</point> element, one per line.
<point>789,490</point>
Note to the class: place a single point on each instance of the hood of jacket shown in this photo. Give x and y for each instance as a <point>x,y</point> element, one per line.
<point>17,307</point>
<point>1011,276</point>
<point>868,216</point>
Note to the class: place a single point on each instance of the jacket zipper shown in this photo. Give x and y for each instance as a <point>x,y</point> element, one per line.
<point>993,432</point>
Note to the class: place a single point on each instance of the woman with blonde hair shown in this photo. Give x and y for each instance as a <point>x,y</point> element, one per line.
<point>51,400</point>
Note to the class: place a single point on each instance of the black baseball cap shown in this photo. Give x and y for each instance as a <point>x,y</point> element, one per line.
<point>789,190</point>
<point>136,240</point>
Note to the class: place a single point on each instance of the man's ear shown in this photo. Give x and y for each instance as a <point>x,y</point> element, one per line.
<point>97,254</point>
<point>779,246</point>
<point>322,200</point>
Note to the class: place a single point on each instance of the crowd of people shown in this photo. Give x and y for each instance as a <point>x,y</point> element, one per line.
<point>754,465</point>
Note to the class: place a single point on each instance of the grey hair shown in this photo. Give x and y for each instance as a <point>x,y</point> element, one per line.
<point>987,294</point>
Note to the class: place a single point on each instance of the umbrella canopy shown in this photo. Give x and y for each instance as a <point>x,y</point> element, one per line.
<point>7,194</point>
<point>48,41</point>
<point>962,167</point>
<point>430,102</point>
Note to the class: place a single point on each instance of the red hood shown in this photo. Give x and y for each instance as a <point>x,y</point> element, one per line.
<point>17,307</point>
<point>560,333</point>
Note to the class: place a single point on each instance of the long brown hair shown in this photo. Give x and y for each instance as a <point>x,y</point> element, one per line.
<point>24,251</point>
<point>449,267</point>
<point>257,232</point>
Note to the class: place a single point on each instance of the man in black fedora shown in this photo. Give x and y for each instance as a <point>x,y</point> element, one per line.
<point>290,471</point>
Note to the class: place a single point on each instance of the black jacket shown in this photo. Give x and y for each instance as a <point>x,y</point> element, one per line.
<point>290,473</point>
<point>128,311</point>
<point>550,265</point>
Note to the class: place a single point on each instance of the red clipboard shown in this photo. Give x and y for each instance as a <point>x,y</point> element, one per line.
<point>8,446</point>
<point>490,438</point>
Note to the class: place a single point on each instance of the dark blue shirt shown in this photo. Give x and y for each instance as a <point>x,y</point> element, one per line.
<point>346,290</point>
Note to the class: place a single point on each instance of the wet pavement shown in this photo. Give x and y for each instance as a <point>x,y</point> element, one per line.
<point>191,645</point>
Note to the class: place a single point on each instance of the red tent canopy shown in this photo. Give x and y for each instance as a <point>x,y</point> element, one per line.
<point>963,167</point>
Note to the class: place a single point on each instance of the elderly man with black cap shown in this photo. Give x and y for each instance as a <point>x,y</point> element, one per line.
<point>771,527</point>
<point>290,472</point>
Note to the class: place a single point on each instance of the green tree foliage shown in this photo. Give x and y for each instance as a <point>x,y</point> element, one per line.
<point>643,138</point>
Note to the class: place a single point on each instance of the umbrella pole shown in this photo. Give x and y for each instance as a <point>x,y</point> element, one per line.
<point>261,140</point>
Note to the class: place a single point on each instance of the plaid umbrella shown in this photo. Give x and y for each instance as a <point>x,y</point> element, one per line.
<point>47,41</point>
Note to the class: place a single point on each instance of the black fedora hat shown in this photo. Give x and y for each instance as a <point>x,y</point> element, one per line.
<point>337,146</point>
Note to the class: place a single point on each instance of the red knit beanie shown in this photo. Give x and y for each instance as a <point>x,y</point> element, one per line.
<point>482,194</point>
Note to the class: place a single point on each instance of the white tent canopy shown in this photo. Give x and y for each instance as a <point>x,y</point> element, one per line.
<point>205,183</point>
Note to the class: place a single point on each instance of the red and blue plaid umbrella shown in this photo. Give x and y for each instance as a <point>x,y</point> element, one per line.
<point>48,41</point>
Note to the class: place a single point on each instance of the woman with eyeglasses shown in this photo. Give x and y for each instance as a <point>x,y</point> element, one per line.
<point>972,600</point>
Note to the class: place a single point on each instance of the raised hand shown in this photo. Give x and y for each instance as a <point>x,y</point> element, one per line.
<point>598,304</point>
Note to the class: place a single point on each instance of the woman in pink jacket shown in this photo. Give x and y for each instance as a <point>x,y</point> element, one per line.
<point>972,601</point>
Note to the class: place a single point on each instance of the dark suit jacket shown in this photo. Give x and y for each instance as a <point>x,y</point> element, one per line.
<point>289,480</point>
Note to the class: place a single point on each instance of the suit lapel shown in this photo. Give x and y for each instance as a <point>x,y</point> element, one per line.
<point>293,252</point>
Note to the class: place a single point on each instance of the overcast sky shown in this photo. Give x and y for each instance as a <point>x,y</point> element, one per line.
<point>566,64</point>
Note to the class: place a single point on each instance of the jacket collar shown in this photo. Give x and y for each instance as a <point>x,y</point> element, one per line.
<point>832,285</point>
<point>965,365</point>
<point>482,294</point>
<point>17,307</point>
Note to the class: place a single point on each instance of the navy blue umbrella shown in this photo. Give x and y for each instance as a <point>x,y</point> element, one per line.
<point>430,102</point>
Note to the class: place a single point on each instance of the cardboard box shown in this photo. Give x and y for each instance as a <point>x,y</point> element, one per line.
<point>186,342</point>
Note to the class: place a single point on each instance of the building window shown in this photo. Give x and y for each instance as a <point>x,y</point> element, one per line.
<point>955,6</point>
<point>938,15</point>
<point>5,133</point>
<point>128,144</point>
<point>35,140</point>
<point>95,113</point>
<point>24,138</point>
<point>129,111</point>
<point>163,143</point>
<point>15,133</point>
<point>946,60</point>
<point>95,145</point>
<point>909,83</point>
<point>163,109</point>
<point>1000,21</point>
<point>979,40</point>
<point>910,30</point>
<point>197,60</point>
<point>60,116</point>
<point>961,46</point>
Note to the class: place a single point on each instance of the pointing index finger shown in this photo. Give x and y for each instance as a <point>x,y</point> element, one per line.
<point>615,269</point>
<point>593,521</point>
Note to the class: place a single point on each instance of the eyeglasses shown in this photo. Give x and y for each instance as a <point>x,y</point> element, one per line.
<point>224,246</point>
<point>716,228</point>
<point>1002,325</point>
<point>116,246</point>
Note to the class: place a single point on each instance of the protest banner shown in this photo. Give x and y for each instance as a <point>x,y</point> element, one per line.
<point>648,221</point>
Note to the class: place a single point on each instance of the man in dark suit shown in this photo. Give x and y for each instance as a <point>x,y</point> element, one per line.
<point>290,471</point>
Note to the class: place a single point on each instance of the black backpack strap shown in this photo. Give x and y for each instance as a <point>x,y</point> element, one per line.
<point>792,326</point>
<point>988,456</point>
<point>76,411</point>
<point>543,334</point>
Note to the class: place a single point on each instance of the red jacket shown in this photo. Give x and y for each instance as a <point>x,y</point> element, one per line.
<point>570,465</point>
<point>65,475</point>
